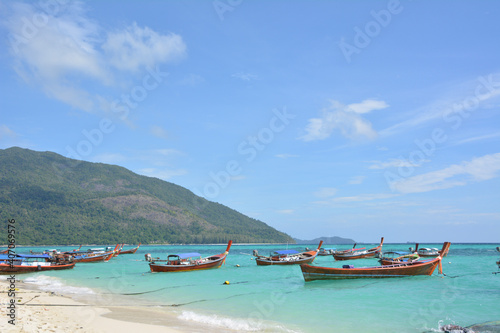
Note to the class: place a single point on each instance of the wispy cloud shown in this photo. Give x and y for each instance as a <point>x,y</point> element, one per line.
<point>364,197</point>
<point>136,47</point>
<point>286,156</point>
<point>159,132</point>
<point>394,163</point>
<point>345,119</point>
<point>357,180</point>
<point>460,101</point>
<point>476,170</point>
<point>163,173</point>
<point>110,158</point>
<point>285,211</point>
<point>245,76</point>
<point>478,138</point>
<point>72,58</point>
<point>6,132</point>
<point>325,192</point>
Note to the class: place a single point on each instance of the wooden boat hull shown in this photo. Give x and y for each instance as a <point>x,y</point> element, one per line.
<point>131,251</point>
<point>95,258</point>
<point>184,268</point>
<point>347,256</point>
<point>298,259</point>
<point>18,269</point>
<point>268,262</point>
<point>359,255</point>
<point>415,268</point>
<point>328,273</point>
<point>214,261</point>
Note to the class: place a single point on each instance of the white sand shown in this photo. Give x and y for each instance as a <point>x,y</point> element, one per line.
<point>39,311</point>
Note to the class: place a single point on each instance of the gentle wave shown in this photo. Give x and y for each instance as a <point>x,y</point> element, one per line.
<point>240,325</point>
<point>52,284</point>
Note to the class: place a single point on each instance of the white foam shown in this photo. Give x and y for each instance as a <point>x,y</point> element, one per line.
<point>240,325</point>
<point>52,284</point>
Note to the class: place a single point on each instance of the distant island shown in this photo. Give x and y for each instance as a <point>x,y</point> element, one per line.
<point>62,201</point>
<point>326,240</point>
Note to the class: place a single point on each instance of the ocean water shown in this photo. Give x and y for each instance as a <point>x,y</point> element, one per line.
<point>276,298</point>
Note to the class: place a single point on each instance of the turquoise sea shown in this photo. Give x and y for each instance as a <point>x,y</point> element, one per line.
<point>276,298</point>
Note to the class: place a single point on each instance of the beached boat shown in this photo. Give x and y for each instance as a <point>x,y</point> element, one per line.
<point>131,251</point>
<point>28,263</point>
<point>187,261</point>
<point>287,257</point>
<point>359,253</point>
<point>420,267</point>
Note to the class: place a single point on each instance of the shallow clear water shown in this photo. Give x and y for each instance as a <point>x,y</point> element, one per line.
<point>276,298</point>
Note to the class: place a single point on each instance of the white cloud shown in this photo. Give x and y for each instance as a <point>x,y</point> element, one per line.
<point>166,152</point>
<point>159,132</point>
<point>343,118</point>
<point>325,192</point>
<point>357,180</point>
<point>367,105</point>
<point>245,76</point>
<point>453,106</point>
<point>109,158</point>
<point>285,211</point>
<point>479,138</point>
<point>137,47</point>
<point>6,132</point>
<point>72,58</point>
<point>286,155</point>
<point>164,174</point>
<point>478,169</point>
<point>394,163</point>
<point>364,197</point>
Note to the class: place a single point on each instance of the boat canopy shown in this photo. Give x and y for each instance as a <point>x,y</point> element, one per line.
<point>186,255</point>
<point>25,256</point>
<point>286,252</point>
<point>399,253</point>
<point>44,256</point>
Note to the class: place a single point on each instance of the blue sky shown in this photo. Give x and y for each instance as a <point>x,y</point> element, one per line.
<point>357,119</point>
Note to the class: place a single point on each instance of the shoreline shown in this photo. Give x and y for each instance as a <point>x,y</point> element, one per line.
<point>44,311</point>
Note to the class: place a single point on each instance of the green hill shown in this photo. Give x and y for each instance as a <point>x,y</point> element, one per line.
<point>56,200</point>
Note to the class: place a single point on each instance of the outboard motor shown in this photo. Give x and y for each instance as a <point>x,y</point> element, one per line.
<point>255,253</point>
<point>148,257</point>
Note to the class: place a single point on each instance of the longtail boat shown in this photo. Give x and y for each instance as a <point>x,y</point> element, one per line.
<point>187,261</point>
<point>397,257</point>
<point>287,257</point>
<point>428,252</point>
<point>421,267</point>
<point>326,251</point>
<point>405,257</point>
<point>28,263</point>
<point>131,251</point>
<point>359,253</point>
<point>91,256</point>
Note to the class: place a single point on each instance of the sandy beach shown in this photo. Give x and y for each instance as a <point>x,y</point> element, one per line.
<point>40,311</point>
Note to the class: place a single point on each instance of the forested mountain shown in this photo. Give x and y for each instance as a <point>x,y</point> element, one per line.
<point>56,200</point>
